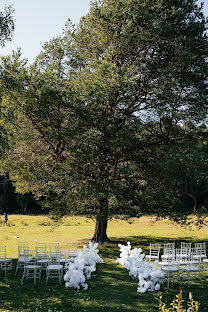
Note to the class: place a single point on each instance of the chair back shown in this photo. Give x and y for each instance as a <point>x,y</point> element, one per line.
<point>54,258</point>
<point>169,253</point>
<point>196,254</point>
<point>72,247</point>
<point>54,247</point>
<point>23,244</point>
<point>202,248</point>
<point>22,250</point>
<point>169,246</point>
<point>29,257</point>
<point>41,252</point>
<point>182,255</point>
<point>2,252</point>
<point>43,245</point>
<point>185,245</point>
<point>155,250</point>
<point>64,252</point>
<point>200,245</point>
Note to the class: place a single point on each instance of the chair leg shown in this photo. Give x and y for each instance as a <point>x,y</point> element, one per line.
<point>35,277</point>
<point>47,276</point>
<point>17,267</point>
<point>188,279</point>
<point>59,277</point>
<point>168,282</point>
<point>23,276</point>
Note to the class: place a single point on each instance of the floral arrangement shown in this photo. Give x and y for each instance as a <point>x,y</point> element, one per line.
<point>177,304</point>
<point>147,274</point>
<point>81,269</point>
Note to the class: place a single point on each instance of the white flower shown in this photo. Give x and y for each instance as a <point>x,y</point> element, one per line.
<point>147,274</point>
<point>84,264</point>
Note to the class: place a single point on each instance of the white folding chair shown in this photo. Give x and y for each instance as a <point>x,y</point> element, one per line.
<point>54,247</point>
<point>72,249</point>
<point>41,246</point>
<point>5,263</point>
<point>31,269</point>
<point>168,252</point>
<point>154,252</point>
<point>193,270</point>
<point>22,250</point>
<point>171,271</point>
<point>64,255</point>
<point>185,245</point>
<point>182,256</point>
<point>201,247</point>
<point>196,254</point>
<point>23,244</point>
<point>169,246</point>
<point>41,257</point>
<point>54,268</point>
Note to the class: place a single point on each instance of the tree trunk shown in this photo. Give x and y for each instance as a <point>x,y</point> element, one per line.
<point>100,235</point>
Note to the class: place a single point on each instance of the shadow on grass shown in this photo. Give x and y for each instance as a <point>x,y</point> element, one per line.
<point>110,288</point>
<point>112,250</point>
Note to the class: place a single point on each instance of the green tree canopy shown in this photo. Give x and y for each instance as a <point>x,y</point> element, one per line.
<point>6,25</point>
<point>93,122</point>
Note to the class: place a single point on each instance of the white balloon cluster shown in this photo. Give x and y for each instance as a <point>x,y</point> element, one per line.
<point>84,264</point>
<point>148,275</point>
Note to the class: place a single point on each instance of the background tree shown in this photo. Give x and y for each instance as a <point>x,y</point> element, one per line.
<point>6,25</point>
<point>96,115</point>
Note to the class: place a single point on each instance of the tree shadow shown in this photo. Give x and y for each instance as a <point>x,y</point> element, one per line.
<point>110,288</point>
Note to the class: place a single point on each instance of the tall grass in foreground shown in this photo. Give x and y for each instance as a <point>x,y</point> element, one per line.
<point>110,288</point>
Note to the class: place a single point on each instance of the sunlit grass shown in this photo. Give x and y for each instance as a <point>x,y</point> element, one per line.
<point>110,288</point>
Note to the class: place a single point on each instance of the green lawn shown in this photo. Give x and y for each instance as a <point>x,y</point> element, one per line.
<point>110,288</point>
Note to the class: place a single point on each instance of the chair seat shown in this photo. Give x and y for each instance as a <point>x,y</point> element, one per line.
<point>41,261</point>
<point>168,256</point>
<point>23,260</point>
<point>163,263</point>
<point>170,269</point>
<point>191,269</point>
<point>64,260</point>
<point>32,267</point>
<point>5,260</point>
<point>54,267</point>
<point>151,257</point>
<point>182,262</point>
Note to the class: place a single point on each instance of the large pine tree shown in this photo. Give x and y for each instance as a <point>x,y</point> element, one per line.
<point>87,123</point>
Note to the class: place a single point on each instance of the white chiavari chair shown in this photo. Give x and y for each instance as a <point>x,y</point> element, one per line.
<point>192,270</point>
<point>171,270</point>
<point>31,269</point>
<point>23,248</point>
<point>154,252</point>
<point>54,268</point>
<point>5,263</point>
<point>72,247</point>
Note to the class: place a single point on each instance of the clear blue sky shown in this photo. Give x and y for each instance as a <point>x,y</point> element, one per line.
<point>37,21</point>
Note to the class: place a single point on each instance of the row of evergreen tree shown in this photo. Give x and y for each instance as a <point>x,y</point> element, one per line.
<point>13,202</point>
<point>195,194</point>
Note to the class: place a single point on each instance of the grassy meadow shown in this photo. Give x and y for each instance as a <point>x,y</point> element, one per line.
<point>110,288</point>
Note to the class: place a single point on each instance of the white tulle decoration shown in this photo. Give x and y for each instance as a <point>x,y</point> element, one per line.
<point>147,274</point>
<point>84,264</point>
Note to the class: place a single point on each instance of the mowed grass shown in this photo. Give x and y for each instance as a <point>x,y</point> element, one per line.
<point>110,288</point>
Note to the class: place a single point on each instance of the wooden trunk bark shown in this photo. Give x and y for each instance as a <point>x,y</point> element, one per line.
<point>100,235</point>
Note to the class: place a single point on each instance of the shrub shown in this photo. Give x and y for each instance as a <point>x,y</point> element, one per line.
<point>177,304</point>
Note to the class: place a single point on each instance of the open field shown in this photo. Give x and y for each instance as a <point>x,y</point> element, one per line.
<point>110,288</point>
